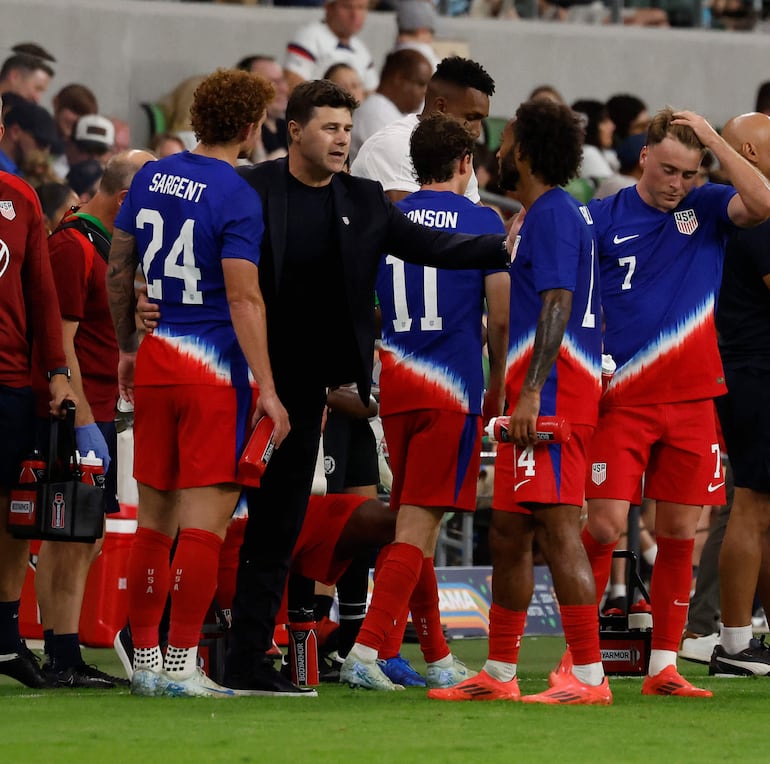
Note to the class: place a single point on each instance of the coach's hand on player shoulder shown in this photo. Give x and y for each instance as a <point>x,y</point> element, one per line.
<point>523,422</point>
<point>269,404</point>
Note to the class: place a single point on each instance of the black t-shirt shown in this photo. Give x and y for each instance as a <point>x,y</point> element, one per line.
<point>743,309</point>
<point>272,141</point>
<point>312,304</point>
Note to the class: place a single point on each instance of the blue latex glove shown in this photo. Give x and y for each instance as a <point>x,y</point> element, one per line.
<point>89,438</point>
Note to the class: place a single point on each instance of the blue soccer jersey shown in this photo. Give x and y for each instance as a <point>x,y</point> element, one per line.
<point>660,274</point>
<point>187,213</point>
<point>431,318</point>
<point>556,249</point>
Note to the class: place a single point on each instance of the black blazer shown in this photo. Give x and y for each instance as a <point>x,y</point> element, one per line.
<point>368,226</point>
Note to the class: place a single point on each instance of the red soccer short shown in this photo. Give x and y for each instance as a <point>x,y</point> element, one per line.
<point>435,458</point>
<point>544,474</point>
<point>186,436</point>
<point>674,445</point>
<point>324,522</point>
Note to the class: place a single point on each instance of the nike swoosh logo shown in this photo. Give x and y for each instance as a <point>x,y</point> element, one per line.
<point>681,604</point>
<point>516,486</point>
<point>711,488</point>
<point>621,239</point>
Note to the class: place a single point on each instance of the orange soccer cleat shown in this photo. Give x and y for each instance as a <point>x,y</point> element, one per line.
<point>565,667</point>
<point>479,687</point>
<point>671,682</point>
<point>568,690</point>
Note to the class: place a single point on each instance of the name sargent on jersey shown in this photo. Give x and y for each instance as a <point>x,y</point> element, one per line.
<point>175,185</point>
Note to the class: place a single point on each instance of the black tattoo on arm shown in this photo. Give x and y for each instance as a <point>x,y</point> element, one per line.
<point>123,261</point>
<point>554,315</point>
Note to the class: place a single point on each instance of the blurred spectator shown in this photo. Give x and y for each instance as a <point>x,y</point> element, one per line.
<point>165,144</point>
<point>274,135</point>
<point>403,81</point>
<point>69,104</point>
<point>500,9</point>
<point>55,199</point>
<point>29,133</point>
<point>315,47</point>
<point>734,15</point>
<point>763,98</point>
<point>33,49</point>
<point>546,93</point>
<point>597,12</point>
<point>122,140</point>
<point>416,22</point>
<point>599,161</point>
<point>629,171</point>
<point>93,137</point>
<point>347,78</point>
<point>629,114</point>
<point>84,178</point>
<point>26,75</point>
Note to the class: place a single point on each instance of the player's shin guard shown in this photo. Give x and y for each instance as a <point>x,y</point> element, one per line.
<point>394,586</point>
<point>505,630</point>
<point>426,615</point>
<point>148,584</point>
<point>581,632</point>
<point>600,558</point>
<point>193,583</point>
<point>670,591</point>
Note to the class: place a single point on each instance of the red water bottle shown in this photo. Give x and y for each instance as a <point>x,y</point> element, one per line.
<point>303,650</point>
<point>549,429</point>
<point>256,454</point>
<point>91,470</point>
<point>32,469</point>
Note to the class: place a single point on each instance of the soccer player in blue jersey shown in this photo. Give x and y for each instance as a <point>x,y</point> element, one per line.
<point>195,227</point>
<point>553,369</point>
<point>431,390</point>
<point>661,247</point>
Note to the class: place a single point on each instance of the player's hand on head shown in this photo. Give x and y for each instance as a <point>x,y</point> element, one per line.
<point>700,126</point>
<point>269,404</point>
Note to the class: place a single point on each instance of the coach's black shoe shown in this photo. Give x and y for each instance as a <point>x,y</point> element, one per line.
<point>753,661</point>
<point>24,667</point>
<point>83,677</point>
<point>263,679</point>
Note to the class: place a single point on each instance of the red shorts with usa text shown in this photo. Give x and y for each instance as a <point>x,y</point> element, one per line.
<point>188,436</point>
<point>674,445</point>
<point>435,458</point>
<point>545,474</point>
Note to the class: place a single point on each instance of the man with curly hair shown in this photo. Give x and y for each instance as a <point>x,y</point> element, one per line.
<point>554,353</point>
<point>196,228</point>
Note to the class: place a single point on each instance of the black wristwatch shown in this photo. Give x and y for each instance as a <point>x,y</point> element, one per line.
<point>65,370</point>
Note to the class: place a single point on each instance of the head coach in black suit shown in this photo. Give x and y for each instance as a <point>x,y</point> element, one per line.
<point>325,234</point>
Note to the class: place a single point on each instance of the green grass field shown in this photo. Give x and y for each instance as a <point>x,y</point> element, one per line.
<point>343,725</point>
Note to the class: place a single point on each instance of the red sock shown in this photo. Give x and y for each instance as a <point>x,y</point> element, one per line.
<point>395,582</point>
<point>148,582</point>
<point>229,556</point>
<point>426,616</point>
<point>505,630</point>
<point>193,583</point>
<point>581,633</point>
<point>391,645</point>
<point>670,591</point>
<point>600,557</point>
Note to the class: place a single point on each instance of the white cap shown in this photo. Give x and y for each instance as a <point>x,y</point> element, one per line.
<point>95,129</point>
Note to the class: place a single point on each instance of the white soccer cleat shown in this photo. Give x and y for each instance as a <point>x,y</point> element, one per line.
<point>198,685</point>
<point>366,674</point>
<point>448,677</point>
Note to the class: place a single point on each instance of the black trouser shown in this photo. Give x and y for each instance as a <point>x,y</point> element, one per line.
<point>276,511</point>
